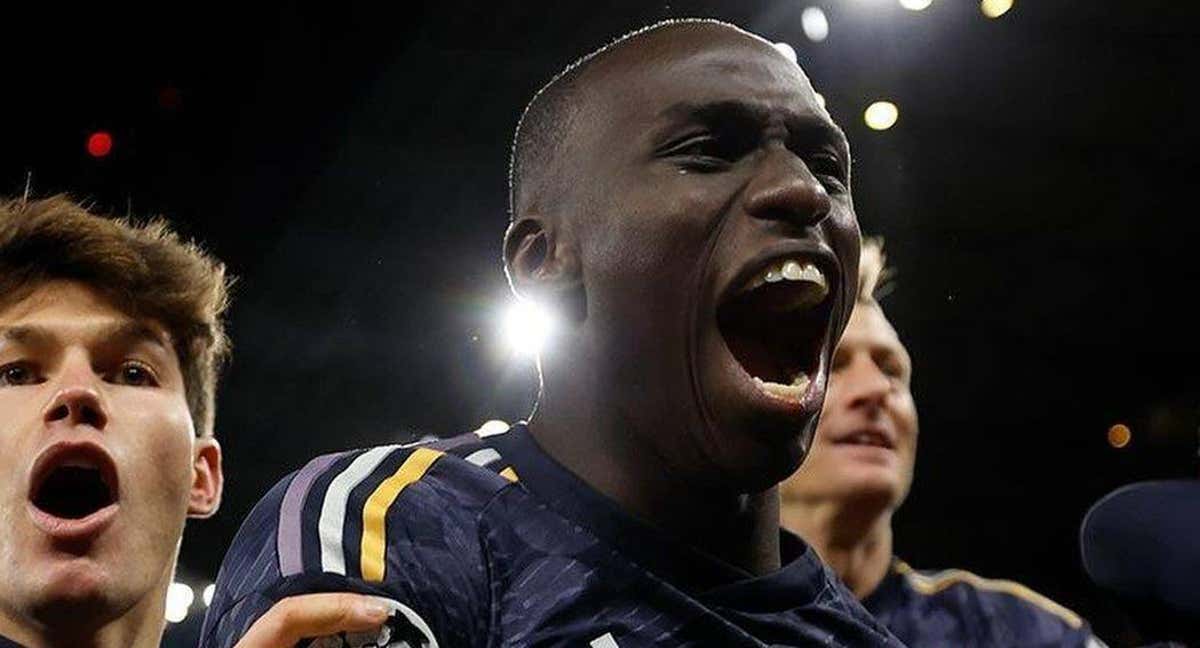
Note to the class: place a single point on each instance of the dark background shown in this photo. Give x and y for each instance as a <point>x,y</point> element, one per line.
<point>349,165</point>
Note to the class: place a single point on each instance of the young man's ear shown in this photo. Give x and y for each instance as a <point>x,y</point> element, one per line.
<point>540,265</point>
<point>207,479</point>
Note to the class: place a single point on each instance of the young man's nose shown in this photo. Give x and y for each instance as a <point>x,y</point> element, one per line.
<point>786,190</point>
<point>76,406</point>
<point>77,400</point>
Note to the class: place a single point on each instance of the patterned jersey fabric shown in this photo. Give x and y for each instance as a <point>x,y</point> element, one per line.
<point>957,608</point>
<point>490,542</point>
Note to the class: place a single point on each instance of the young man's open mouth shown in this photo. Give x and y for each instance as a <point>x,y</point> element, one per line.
<point>73,490</point>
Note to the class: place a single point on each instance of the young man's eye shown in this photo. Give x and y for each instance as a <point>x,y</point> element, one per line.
<point>135,374</point>
<point>18,373</point>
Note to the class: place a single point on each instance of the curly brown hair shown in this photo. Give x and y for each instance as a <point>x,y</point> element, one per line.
<point>144,268</point>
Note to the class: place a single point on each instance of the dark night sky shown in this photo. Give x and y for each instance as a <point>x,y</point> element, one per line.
<point>349,165</point>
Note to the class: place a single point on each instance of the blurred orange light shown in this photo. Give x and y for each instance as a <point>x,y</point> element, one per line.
<point>1119,435</point>
<point>99,144</point>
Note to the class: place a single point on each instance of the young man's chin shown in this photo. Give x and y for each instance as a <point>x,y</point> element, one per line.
<point>78,578</point>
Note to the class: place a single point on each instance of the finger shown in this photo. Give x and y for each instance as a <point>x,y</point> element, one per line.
<point>313,615</point>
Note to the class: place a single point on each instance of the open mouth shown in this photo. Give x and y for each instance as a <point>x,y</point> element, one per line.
<point>871,438</point>
<point>74,483</point>
<point>775,325</point>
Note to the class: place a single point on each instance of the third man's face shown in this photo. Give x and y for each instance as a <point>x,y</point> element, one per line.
<point>866,442</point>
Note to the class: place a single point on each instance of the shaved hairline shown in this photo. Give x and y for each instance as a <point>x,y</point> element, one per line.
<point>549,115</point>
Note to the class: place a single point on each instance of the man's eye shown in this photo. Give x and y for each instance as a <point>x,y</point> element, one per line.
<point>828,169</point>
<point>16,374</point>
<point>704,152</point>
<point>135,374</point>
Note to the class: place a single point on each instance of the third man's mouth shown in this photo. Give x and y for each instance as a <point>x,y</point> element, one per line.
<point>775,324</point>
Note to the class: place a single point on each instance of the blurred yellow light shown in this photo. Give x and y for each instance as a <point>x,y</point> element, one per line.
<point>881,115</point>
<point>1119,435</point>
<point>915,5</point>
<point>995,8</point>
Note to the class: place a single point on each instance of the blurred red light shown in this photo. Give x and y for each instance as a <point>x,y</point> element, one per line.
<point>99,144</point>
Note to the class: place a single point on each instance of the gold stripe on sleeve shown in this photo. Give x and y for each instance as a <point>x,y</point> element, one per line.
<point>374,536</point>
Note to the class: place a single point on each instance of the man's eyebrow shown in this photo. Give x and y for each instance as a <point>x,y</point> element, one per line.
<point>27,335</point>
<point>126,332</point>
<point>808,128</point>
<point>717,111</point>
<point>132,332</point>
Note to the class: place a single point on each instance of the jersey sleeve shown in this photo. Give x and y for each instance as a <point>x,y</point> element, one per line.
<point>385,521</point>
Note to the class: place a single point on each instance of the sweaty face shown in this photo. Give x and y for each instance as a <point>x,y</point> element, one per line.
<point>98,456</point>
<point>867,440</point>
<point>716,236</point>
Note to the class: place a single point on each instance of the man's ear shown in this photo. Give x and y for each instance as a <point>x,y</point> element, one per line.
<point>207,479</point>
<point>540,265</point>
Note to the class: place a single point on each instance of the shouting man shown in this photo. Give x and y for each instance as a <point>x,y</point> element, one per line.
<point>682,198</point>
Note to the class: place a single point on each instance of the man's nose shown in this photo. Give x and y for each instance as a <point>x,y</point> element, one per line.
<point>786,190</point>
<point>869,387</point>
<point>77,400</point>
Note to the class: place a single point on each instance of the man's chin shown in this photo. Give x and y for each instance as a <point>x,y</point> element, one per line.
<point>74,584</point>
<point>760,461</point>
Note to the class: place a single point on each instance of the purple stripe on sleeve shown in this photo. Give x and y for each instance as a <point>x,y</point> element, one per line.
<point>291,512</point>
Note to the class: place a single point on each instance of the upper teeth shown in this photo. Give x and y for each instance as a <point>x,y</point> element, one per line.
<point>791,270</point>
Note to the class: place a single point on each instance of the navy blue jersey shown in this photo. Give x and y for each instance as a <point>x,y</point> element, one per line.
<point>490,542</point>
<point>957,608</point>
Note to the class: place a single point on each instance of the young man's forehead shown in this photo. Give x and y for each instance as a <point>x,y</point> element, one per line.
<point>59,310</point>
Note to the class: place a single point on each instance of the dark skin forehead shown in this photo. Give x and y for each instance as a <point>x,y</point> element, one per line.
<point>698,74</point>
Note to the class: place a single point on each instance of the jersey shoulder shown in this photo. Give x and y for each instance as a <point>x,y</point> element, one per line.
<point>1004,592</point>
<point>1013,610</point>
<point>396,521</point>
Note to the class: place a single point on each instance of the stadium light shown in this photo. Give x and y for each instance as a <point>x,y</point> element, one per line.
<point>916,5</point>
<point>527,327</point>
<point>815,24</point>
<point>881,115</point>
<point>207,594</point>
<point>995,8</point>
<point>179,599</point>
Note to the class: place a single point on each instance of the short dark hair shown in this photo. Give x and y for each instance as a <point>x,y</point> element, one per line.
<point>145,269</point>
<point>548,116</point>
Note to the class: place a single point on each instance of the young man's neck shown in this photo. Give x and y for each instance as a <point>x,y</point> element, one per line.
<point>852,538</point>
<point>740,529</point>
